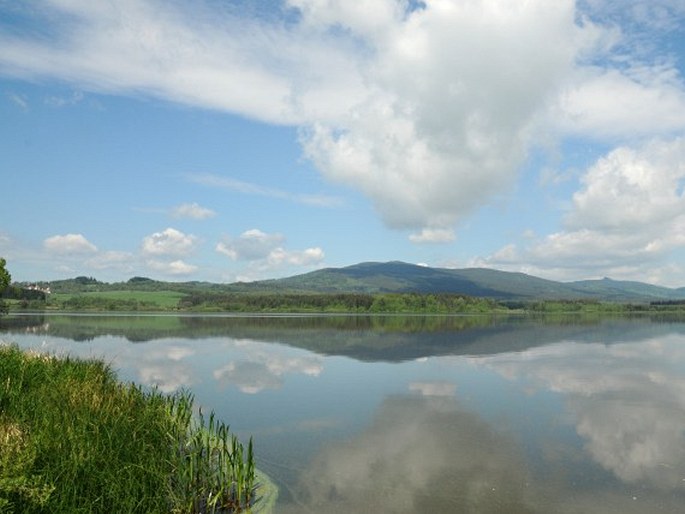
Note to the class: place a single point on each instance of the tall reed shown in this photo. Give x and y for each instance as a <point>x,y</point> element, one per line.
<point>75,440</point>
<point>211,472</point>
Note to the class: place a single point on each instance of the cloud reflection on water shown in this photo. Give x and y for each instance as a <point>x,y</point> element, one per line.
<point>165,367</point>
<point>427,453</point>
<point>420,454</point>
<point>440,388</point>
<point>251,366</point>
<point>262,368</point>
<point>621,386</point>
<point>627,401</point>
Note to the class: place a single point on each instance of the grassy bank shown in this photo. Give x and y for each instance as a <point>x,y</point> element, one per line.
<point>75,440</point>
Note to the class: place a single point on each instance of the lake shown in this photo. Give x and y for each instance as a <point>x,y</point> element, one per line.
<point>420,414</point>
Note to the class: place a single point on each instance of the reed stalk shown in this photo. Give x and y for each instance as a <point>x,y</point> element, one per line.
<point>75,440</point>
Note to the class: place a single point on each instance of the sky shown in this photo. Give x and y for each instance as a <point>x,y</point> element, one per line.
<point>236,140</point>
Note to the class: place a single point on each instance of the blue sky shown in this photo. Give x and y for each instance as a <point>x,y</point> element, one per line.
<point>224,141</point>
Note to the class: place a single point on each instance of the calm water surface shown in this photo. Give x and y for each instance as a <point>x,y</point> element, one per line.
<point>421,414</point>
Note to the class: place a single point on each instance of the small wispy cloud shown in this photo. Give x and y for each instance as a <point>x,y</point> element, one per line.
<point>192,211</point>
<point>177,267</point>
<point>112,260</point>
<point>69,244</point>
<point>433,235</point>
<point>248,188</point>
<point>64,101</point>
<point>19,100</point>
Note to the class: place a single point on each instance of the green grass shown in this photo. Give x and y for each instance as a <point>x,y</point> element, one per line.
<point>118,300</point>
<point>75,440</point>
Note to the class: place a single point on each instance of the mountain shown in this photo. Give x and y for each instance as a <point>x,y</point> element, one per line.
<point>401,277</point>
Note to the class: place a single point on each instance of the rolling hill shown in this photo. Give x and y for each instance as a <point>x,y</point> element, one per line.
<point>398,277</point>
<point>401,277</point>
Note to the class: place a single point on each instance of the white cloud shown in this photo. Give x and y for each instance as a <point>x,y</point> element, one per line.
<point>208,55</point>
<point>633,189</point>
<point>664,15</point>
<point>429,111</point>
<point>177,267</point>
<point>250,245</point>
<point>239,186</point>
<point>192,211</point>
<point>308,257</point>
<point>265,253</point>
<point>5,241</point>
<point>441,130</point>
<point>19,100</point>
<point>433,235</point>
<point>69,244</point>
<point>626,82</point>
<point>169,242</point>
<point>612,103</point>
<point>112,260</point>
<point>64,101</point>
<point>625,220</point>
<point>364,19</point>
<point>410,107</point>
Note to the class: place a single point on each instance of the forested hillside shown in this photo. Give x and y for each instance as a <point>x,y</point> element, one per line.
<point>363,288</point>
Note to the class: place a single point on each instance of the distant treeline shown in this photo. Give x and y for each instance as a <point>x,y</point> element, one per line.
<point>141,294</point>
<point>101,303</point>
<point>372,303</point>
<point>336,302</point>
<point>24,298</point>
<point>14,292</point>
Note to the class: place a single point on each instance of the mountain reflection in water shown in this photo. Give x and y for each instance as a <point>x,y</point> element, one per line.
<point>422,414</point>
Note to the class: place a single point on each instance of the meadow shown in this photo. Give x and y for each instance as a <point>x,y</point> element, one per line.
<point>118,300</point>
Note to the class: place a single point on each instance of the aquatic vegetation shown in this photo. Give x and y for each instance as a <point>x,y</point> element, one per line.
<point>211,471</point>
<point>74,440</point>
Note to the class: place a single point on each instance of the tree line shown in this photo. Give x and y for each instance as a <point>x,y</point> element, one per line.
<point>204,297</point>
<point>337,302</point>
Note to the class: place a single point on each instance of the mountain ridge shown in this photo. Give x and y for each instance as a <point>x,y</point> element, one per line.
<point>402,277</point>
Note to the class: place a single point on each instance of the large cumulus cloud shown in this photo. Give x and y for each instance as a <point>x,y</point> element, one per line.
<point>428,108</point>
<point>627,216</point>
<point>453,94</point>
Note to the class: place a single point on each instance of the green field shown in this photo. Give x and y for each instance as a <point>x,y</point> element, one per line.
<point>143,300</point>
